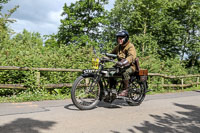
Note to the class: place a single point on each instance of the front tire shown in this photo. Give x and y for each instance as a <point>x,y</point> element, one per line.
<point>85,93</point>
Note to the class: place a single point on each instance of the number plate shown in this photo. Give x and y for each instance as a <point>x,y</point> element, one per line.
<point>95,63</point>
<point>89,71</point>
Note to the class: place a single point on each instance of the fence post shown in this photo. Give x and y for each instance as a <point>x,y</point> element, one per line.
<point>163,82</point>
<point>37,78</point>
<point>149,80</point>
<point>182,83</point>
<point>197,81</point>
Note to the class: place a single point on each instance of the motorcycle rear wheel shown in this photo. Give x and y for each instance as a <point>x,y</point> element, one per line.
<point>85,93</point>
<point>137,93</point>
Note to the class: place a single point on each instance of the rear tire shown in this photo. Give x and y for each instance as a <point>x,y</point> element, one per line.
<point>137,93</point>
<point>85,93</point>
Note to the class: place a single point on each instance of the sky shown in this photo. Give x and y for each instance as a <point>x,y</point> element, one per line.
<point>41,16</point>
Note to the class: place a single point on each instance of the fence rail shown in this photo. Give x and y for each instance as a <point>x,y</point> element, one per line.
<point>39,69</point>
<point>48,86</point>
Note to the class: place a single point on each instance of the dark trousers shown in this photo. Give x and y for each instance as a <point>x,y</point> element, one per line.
<point>126,73</point>
<point>125,76</point>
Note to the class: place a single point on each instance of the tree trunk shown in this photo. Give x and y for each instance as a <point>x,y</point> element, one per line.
<point>145,29</point>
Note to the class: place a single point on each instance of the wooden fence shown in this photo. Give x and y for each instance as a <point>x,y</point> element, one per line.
<point>48,86</point>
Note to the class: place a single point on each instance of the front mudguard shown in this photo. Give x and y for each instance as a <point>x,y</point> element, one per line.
<point>89,75</point>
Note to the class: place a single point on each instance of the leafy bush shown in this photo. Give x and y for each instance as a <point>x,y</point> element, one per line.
<point>27,50</point>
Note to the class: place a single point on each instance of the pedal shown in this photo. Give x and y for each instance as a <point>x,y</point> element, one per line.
<point>121,97</point>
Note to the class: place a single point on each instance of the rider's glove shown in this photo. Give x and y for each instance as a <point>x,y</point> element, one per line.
<point>123,63</point>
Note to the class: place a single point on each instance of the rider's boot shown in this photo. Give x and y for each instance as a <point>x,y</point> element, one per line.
<point>124,93</point>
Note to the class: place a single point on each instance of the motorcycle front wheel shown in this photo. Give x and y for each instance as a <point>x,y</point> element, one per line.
<point>85,93</point>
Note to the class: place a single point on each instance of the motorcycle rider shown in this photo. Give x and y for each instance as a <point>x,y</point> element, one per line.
<point>126,55</point>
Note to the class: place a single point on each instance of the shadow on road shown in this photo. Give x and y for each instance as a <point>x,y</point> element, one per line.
<point>197,91</point>
<point>186,121</point>
<point>101,104</point>
<point>71,107</point>
<point>29,126</point>
<point>116,104</point>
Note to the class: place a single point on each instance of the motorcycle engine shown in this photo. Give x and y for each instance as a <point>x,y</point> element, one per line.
<point>110,96</point>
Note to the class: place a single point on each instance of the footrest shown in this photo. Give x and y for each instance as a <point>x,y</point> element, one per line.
<point>148,90</point>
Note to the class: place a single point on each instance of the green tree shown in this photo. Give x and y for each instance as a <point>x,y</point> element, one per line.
<point>137,17</point>
<point>180,35</point>
<point>83,22</point>
<point>3,2</point>
<point>162,27</point>
<point>4,18</point>
<point>188,15</point>
<point>28,39</point>
<point>5,31</point>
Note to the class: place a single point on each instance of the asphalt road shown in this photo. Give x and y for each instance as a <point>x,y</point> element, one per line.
<point>163,113</point>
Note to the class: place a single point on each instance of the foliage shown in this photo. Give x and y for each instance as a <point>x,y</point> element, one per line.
<point>5,31</point>
<point>26,50</point>
<point>165,33</point>
<point>163,27</point>
<point>83,22</point>
<point>168,29</point>
<point>32,96</point>
<point>3,2</point>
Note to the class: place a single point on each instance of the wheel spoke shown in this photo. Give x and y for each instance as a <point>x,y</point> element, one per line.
<point>137,94</point>
<point>85,94</point>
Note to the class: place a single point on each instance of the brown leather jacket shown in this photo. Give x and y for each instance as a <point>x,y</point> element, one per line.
<point>127,52</point>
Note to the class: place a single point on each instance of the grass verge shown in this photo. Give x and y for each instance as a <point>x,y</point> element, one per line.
<point>44,95</point>
<point>160,91</point>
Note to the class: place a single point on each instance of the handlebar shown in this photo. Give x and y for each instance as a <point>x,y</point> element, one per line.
<point>111,55</point>
<point>106,59</point>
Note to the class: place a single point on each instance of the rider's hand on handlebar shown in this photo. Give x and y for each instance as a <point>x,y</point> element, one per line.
<point>123,63</point>
<point>119,64</point>
<point>105,58</point>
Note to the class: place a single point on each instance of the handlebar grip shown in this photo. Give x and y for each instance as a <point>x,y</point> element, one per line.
<point>111,55</point>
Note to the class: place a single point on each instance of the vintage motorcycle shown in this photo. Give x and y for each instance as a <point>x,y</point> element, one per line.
<point>94,85</point>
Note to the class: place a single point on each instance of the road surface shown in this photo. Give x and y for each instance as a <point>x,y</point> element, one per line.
<point>166,113</point>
